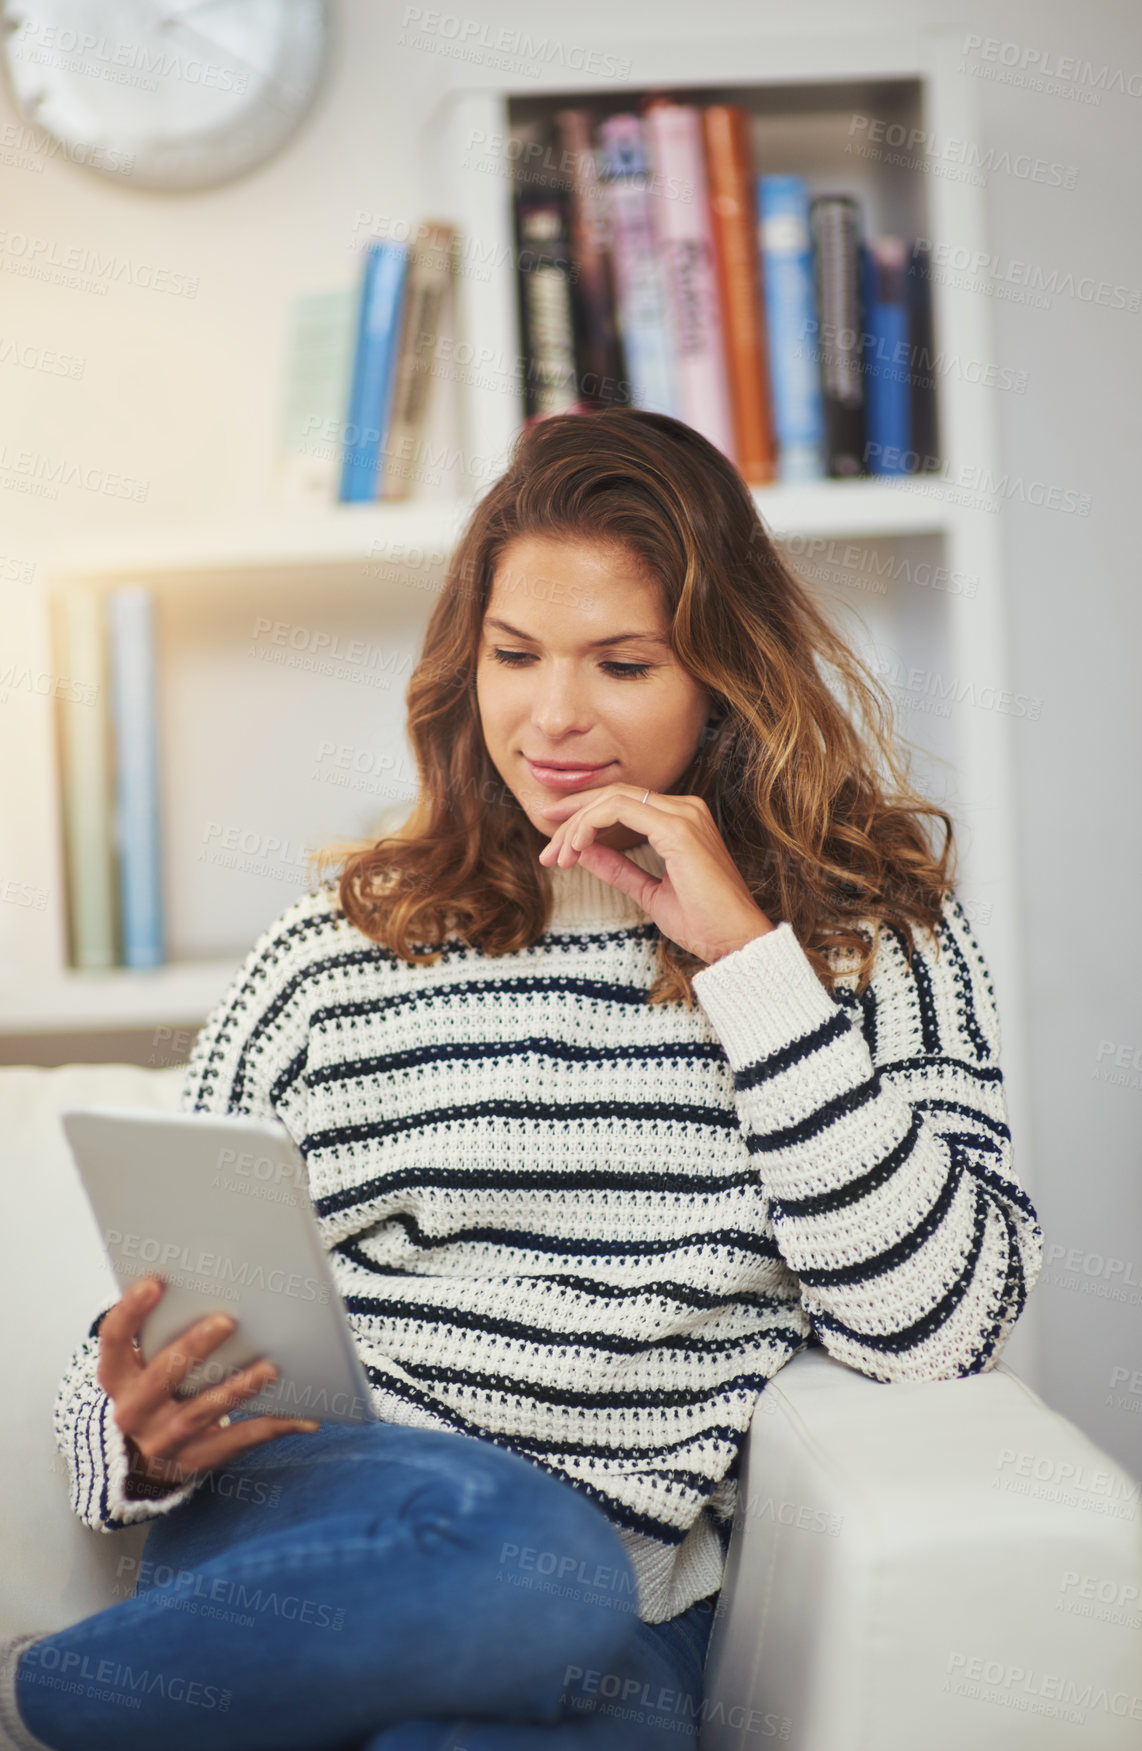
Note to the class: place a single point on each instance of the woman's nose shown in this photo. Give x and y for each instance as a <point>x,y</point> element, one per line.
<point>559,703</point>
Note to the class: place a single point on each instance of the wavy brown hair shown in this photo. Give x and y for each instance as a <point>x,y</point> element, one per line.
<point>798,764</point>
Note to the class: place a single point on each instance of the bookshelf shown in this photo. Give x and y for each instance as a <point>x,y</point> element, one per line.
<point>345,538</point>
<point>919,559</point>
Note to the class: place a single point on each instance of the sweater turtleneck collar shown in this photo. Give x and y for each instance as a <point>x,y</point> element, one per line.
<point>580,899</point>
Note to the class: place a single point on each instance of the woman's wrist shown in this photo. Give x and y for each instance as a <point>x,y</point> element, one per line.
<point>143,1483</point>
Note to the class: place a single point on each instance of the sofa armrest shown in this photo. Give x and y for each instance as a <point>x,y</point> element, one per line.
<point>939,1565</point>
<point>54,1277</point>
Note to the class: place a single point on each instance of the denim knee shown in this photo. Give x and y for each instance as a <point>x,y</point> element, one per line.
<point>538,1523</point>
<point>540,1537</point>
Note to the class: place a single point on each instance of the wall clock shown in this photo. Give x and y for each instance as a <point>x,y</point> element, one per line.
<point>166,94</point>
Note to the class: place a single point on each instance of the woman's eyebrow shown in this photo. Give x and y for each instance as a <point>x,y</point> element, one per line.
<point>614,638</point>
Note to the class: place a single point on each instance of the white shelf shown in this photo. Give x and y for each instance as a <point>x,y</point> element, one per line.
<point>339,536</point>
<point>347,538</point>
<point>121,998</point>
<point>857,508</point>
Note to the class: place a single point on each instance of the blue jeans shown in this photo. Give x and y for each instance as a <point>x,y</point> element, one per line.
<point>373,1588</point>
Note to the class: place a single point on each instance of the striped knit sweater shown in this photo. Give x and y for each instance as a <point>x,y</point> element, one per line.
<point>591,1229</point>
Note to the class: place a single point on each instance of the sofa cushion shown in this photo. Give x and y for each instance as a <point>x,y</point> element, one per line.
<point>53,1281</point>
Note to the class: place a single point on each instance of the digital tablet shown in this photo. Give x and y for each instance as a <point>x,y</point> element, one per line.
<point>219,1209</point>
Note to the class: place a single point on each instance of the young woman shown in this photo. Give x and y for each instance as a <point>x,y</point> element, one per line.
<point>654,1047</point>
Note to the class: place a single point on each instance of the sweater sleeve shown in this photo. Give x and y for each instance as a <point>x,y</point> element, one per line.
<point>248,1057</point>
<point>879,1131</point>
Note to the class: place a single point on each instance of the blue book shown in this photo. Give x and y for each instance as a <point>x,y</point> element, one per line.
<point>374,370</point>
<point>888,374</point>
<point>792,328</point>
<point>131,651</point>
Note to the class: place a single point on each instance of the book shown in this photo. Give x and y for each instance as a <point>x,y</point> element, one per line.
<point>888,424</point>
<point>785,247</point>
<point>640,296</point>
<point>684,238</point>
<point>131,654</point>
<point>729,169</point>
<point>85,782</point>
<point>428,289</point>
<point>834,223</point>
<point>547,323</point>
<point>318,380</point>
<point>922,362</point>
<point>600,369</point>
<point>374,360</point>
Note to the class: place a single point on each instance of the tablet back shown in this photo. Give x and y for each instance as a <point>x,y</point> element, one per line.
<point>218,1208</point>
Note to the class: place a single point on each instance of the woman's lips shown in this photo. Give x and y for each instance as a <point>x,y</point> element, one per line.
<point>571,778</point>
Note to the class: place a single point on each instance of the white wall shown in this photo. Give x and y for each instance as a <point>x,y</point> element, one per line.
<point>182,393</point>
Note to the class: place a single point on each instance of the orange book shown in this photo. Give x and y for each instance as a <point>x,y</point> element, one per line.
<point>729,169</point>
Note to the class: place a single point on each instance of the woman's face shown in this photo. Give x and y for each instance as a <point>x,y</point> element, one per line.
<point>549,689</point>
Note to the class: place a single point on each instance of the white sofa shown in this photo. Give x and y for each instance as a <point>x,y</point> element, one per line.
<point>913,1568</point>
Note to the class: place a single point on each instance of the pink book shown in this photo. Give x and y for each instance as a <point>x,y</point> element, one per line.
<point>681,214</point>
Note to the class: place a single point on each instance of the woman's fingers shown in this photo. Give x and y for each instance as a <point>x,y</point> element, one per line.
<point>588,812</point>
<point>173,1436</point>
<point>119,1361</point>
<point>176,1436</point>
<point>214,1401</point>
<point>217,1446</point>
<point>183,1419</point>
<point>151,1390</point>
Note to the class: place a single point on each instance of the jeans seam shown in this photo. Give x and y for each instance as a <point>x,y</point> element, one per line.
<point>287,1560</point>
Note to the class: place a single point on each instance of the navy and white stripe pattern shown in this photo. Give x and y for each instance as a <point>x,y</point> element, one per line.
<point>590,1229</point>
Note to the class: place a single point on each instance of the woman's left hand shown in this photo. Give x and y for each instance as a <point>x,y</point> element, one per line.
<point>700,902</point>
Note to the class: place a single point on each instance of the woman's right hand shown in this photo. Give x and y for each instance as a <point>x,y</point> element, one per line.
<point>172,1441</point>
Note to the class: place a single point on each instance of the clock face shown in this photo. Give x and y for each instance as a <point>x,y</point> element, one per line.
<point>165,94</point>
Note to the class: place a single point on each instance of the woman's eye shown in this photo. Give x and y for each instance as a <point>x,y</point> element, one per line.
<point>513,659</point>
